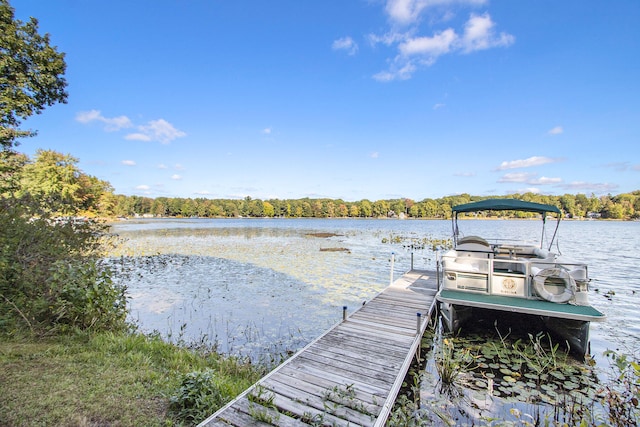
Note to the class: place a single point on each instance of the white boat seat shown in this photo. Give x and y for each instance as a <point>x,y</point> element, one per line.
<point>473,243</point>
<point>473,239</point>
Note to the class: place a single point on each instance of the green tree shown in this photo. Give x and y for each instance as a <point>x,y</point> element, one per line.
<point>52,182</point>
<point>268,209</point>
<point>31,74</point>
<point>366,210</point>
<point>11,163</point>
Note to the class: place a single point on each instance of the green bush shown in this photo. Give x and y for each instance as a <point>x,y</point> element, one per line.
<point>51,277</point>
<point>201,393</point>
<point>85,296</point>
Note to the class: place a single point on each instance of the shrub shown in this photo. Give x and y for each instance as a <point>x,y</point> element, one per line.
<point>51,277</point>
<point>200,394</point>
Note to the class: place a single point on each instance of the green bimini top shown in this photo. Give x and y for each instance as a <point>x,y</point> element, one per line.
<point>505,205</point>
<point>521,305</point>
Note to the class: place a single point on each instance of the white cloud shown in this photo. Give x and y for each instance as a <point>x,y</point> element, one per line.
<point>438,106</point>
<point>409,11</point>
<point>266,131</point>
<point>142,187</point>
<point>415,50</point>
<point>162,166</point>
<point>157,130</point>
<point>176,177</point>
<point>137,137</point>
<point>346,44</point>
<point>178,167</point>
<point>387,39</point>
<point>431,47</point>
<point>526,163</point>
<point>402,72</point>
<point>112,124</point>
<point>517,177</point>
<point>479,35</point>
<point>543,180</point>
<point>129,162</point>
<point>528,178</point>
<point>374,155</point>
<point>88,116</point>
<point>556,130</point>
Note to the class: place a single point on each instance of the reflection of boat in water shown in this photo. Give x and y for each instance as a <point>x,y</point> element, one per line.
<point>516,277</point>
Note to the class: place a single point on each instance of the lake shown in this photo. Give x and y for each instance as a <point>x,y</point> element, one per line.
<point>263,288</point>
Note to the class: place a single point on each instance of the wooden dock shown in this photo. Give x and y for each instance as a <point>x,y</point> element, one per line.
<point>351,375</point>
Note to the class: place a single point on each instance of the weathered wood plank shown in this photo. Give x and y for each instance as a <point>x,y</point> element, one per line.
<point>321,387</point>
<point>385,322</point>
<point>318,376</point>
<point>354,352</point>
<point>301,403</point>
<point>355,337</point>
<point>348,372</point>
<point>351,374</point>
<point>352,358</point>
<point>382,332</point>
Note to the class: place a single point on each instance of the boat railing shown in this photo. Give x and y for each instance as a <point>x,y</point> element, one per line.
<point>487,269</point>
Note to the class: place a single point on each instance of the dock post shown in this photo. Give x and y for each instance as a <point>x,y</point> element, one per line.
<point>438,269</point>
<point>344,313</point>
<point>411,257</point>
<point>393,255</point>
<point>418,329</point>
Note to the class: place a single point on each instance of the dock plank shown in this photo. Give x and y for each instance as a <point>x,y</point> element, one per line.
<point>350,375</point>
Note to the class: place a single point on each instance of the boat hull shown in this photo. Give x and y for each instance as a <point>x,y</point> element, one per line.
<point>573,334</point>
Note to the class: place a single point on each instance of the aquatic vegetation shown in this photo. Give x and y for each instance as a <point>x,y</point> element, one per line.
<point>192,284</point>
<point>621,394</point>
<point>418,243</point>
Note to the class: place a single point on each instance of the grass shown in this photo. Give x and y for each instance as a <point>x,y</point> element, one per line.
<point>114,379</point>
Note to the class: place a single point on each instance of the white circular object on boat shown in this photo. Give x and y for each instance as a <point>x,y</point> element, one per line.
<point>541,277</point>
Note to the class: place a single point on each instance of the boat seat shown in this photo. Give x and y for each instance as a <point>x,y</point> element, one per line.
<point>473,243</point>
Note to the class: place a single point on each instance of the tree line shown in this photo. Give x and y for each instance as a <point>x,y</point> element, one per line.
<point>622,206</point>
<point>54,182</point>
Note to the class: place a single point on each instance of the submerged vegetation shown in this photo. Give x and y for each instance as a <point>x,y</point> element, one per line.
<point>519,382</point>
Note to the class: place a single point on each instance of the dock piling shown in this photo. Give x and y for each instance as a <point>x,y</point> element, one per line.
<point>393,255</point>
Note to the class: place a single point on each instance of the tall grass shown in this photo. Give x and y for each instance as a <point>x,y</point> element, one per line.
<point>107,378</point>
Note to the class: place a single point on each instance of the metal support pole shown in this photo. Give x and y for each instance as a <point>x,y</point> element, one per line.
<point>393,255</point>
<point>411,258</point>
<point>438,269</point>
<point>344,313</point>
<point>418,322</point>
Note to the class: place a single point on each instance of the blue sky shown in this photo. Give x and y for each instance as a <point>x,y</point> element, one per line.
<point>351,99</point>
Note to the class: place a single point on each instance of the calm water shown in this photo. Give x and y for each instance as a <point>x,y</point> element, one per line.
<point>258,287</point>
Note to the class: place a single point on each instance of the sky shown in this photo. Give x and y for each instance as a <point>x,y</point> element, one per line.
<point>346,99</point>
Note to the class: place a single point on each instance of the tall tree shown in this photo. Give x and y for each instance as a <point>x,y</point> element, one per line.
<point>31,74</point>
<point>52,180</point>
